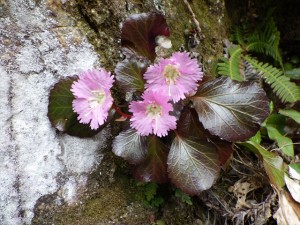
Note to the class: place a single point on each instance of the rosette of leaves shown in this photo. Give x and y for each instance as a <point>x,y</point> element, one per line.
<point>220,113</point>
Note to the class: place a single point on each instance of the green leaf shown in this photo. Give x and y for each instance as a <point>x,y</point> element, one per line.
<point>293,74</point>
<point>256,138</point>
<point>273,163</point>
<point>139,32</point>
<point>129,74</point>
<point>265,40</point>
<point>277,121</point>
<point>284,143</point>
<point>185,198</point>
<point>150,191</point>
<point>231,110</point>
<point>295,115</point>
<point>154,167</point>
<point>61,114</point>
<point>232,67</point>
<point>193,164</point>
<point>286,90</point>
<point>130,146</point>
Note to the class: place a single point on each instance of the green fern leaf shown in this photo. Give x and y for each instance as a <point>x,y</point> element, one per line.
<point>286,90</point>
<point>232,67</point>
<point>238,35</point>
<point>265,40</point>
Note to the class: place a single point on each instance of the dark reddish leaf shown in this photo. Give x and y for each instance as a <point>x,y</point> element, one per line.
<point>196,156</point>
<point>193,164</point>
<point>231,110</point>
<point>189,125</point>
<point>130,146</point>
<point>154,168</point>
<point>61,114</point>
<point>129,74</point>
<point>139,32</point>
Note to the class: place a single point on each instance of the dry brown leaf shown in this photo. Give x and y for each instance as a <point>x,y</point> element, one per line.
<point>288,212</point>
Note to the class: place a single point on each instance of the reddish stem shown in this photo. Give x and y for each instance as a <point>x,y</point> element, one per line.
<point>118,110</point>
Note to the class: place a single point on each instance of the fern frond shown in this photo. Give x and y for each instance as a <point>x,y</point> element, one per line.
<point>238,35</point>
<point>232,67</point>
<point>286,90</point>
<point>266,41</point>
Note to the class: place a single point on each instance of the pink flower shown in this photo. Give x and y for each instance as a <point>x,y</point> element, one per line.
<point>176,76</point>
<point>151,116</point>
<point>92,97</point>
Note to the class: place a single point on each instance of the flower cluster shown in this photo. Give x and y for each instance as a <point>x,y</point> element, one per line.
<point>170,80</point>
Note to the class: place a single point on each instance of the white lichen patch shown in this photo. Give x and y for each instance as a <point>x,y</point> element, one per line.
<point>35,160</point>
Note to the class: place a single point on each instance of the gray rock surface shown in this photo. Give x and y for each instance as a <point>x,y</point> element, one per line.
<point>35,52</point>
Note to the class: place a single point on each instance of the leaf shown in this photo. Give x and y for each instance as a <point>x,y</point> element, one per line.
<point>295,115</point>
<point>294,171</point>
<point>189,126</point>
<point>286,90</point>
<point>61,114</point>
<point>139,32</point>
<point>277,121</point>
<point>273,163</point>
<point>288,212</point>
<point>232,67</point>
<point>130,146</point>
<point>256,138</point>
<point>293,73</point>
<point>129,74</point>
<point>193,164</point>
<point>231,110</point>
<point>284,143</point>
<point>154,167</point>
<point>265,40</point>
<point>293,187</point>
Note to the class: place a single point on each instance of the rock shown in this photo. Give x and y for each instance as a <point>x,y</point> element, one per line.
<point>46,176</point>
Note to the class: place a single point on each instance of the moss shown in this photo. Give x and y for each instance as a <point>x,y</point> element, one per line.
<point>212,22</point>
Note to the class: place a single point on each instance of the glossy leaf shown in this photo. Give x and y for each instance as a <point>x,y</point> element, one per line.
<point>130,146</point>
<point>193,164</point>
<point>154,167</point>
<point>139,32</point>
<point>272,162</point>
<point>61,114</point>
<point>231,110</point>
<point>129,74</point>
<point>189,125</point>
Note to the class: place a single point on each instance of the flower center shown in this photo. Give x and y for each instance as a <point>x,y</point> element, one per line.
<point>171,73</point>
<point>98,98</point>
<point>153,109</point>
